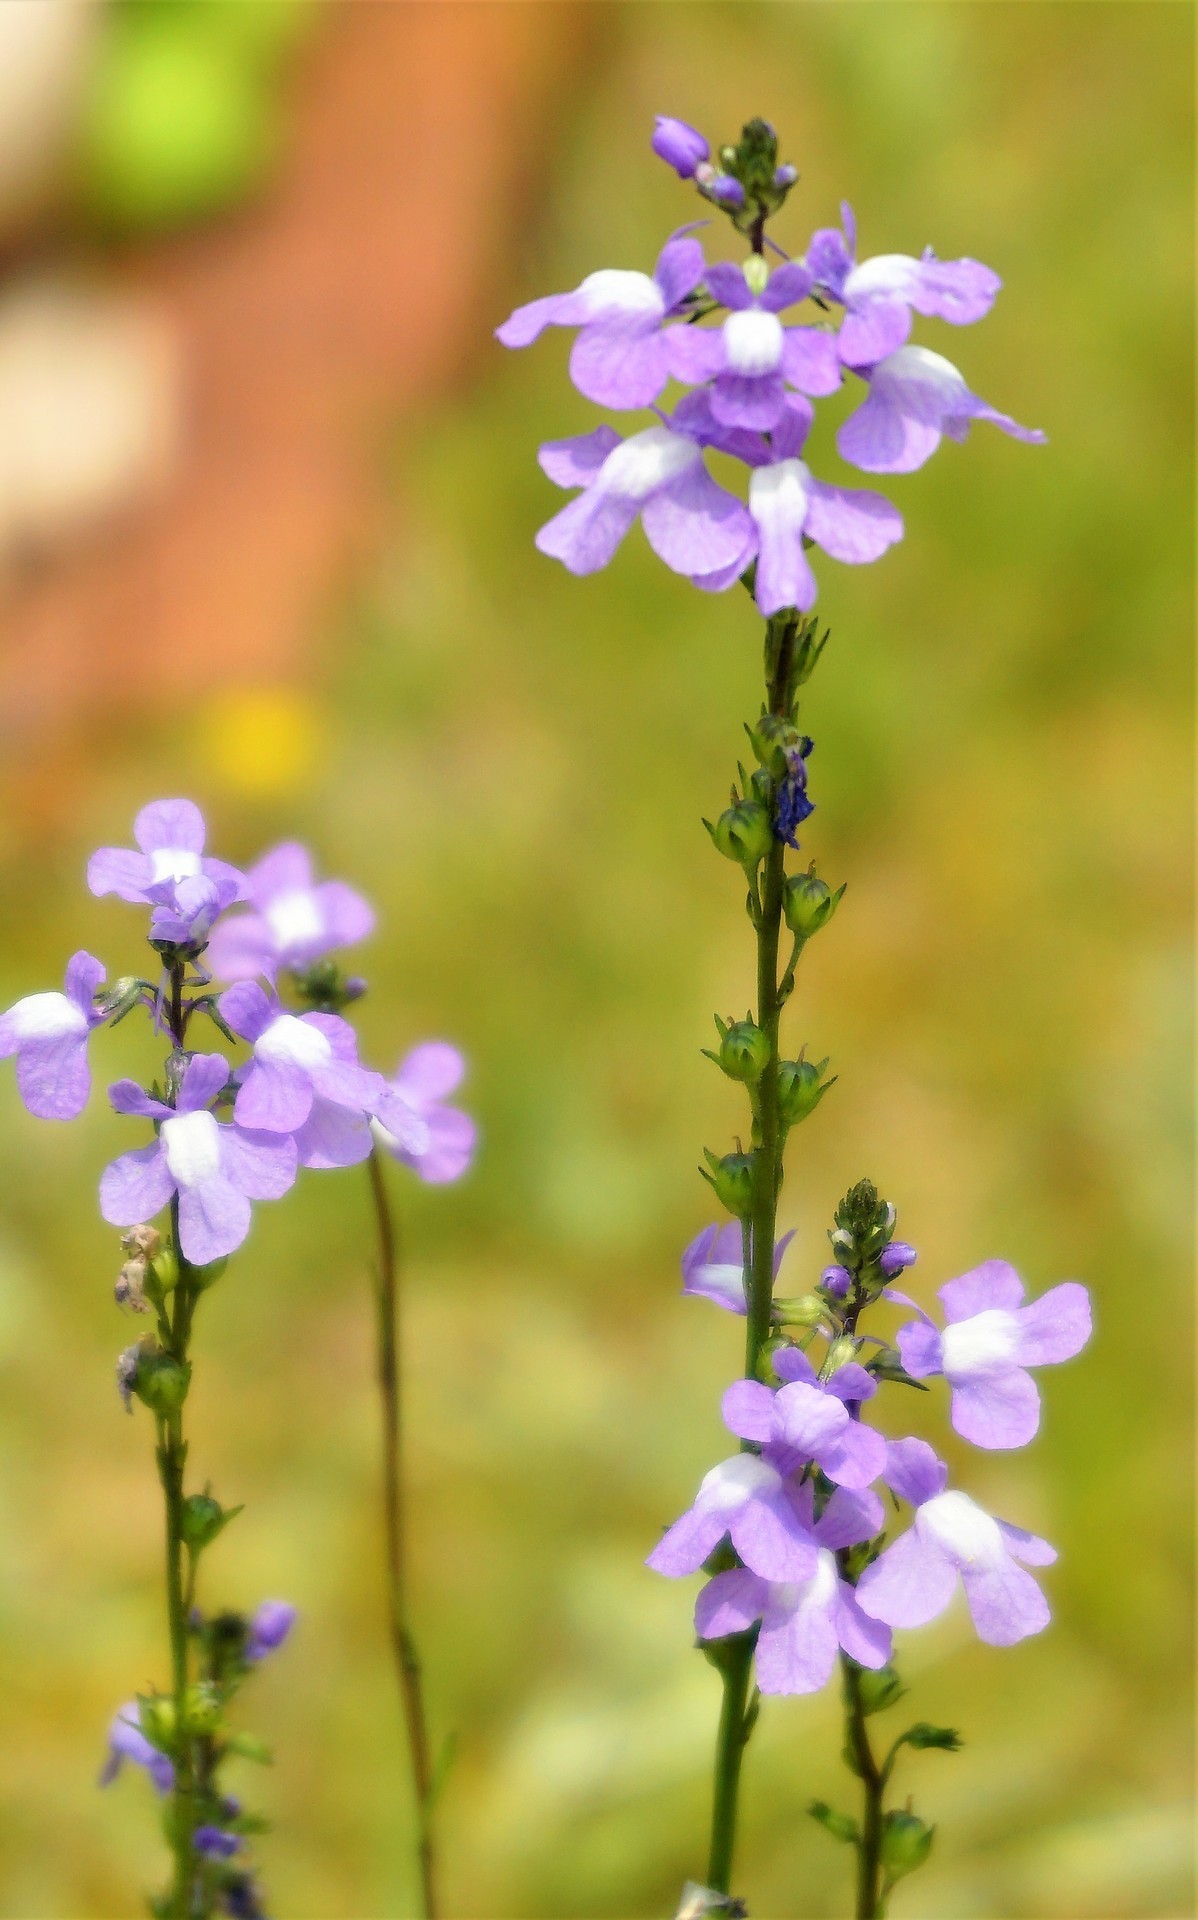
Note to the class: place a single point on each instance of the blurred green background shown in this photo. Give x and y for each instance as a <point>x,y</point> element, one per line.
<point>513,765</point>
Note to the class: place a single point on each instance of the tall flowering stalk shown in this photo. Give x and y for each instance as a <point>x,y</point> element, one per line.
<point>226,1132</point>
<point>802,1577</point>
<point>290,930</point>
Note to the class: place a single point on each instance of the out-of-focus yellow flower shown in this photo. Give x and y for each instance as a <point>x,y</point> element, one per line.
<point>261,740</point>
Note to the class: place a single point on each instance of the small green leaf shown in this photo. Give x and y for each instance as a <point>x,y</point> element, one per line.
<point>840,1825</point>
<point>922,1735</point>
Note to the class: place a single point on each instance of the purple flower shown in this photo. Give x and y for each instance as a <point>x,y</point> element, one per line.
<point>712,1265</point>
<point>750,1501</point>
<point>752,356</point>
<point>808,1419</point>
<point>987,1343</point>
<point>915,397</point>
<point>619,358</point>
<point>804,1623</point>
<point>690,522</point>
<point>793,806</point>
<point>186,916</point>
<point>269,1627</point>
<point>952,1537</point>
<point>215,1170</point>
<point>49,1033</point>
<point>126,1741</point>
<point>679,145</point>
<point>414,1124</point>
<point>895,1257</point>
<point>299,1061</point>
<point>170,839</point>
<point>295,919</point>
<point>789,507</point>
<point>723,188</point>
<point>879,294</point>
<point>216,1843</point>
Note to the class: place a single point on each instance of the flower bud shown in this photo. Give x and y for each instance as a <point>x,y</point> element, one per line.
<point>809,903</point>
<point>164,1270</point>
<point>744,1051</point>
<point>757,273</point>
<point>836,1281</point>
<point>773,737</point>
<point>202,1708</point>
<point>807,1311</point>
<point>732,1178</point>
<point>878,1690</point>
<point>906,1843</point>
<point>679,145</point>
<point>720,187</point>
<point>161,1382</point>
<point>156,1717</point>
<point>743,832</point>
<point>841,1352</point>
<point>843,1244</point>
<point>895,1257</point>
<point>801,1087</point>
<point>785,176</point>
<point>203,1518</point>
<point>119,999</point>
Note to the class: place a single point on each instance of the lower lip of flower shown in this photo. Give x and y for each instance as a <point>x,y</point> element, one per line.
<point>753,342</point>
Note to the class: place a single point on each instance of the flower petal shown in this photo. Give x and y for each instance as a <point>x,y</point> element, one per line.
<point>1006,1603</point>
<point>1054,1327</point>
<point>729,1603</point>
<point>997,1410</point>
<point>994,1284</point>
<point>909,1584</point>
<point>136,1186</point>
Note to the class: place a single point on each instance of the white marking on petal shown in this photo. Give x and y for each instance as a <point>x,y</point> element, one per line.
<point>617,292</point>
<point>174,863</point>
<point>46,1016</point>
<point>929,372</point>
<point>753,342</point>
<point>294,918</point>
<point>414,1135</point>
<point>962,1530</point>
<point>886,273</point>
<point>192,1143</point>
<point>646,461</point>
<point>290,1041</point>
<point>727,1281</point>
<point>778,495</point>
<point>791,1595</point>
<point>979,1344</point>
<point>735,1481</point>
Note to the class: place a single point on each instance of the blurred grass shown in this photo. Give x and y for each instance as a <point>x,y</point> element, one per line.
<point>514,765</point>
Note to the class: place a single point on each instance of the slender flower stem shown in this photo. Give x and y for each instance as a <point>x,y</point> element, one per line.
<point>873,1781</point>
<point>407,1661</point>
<point>735,1727</point>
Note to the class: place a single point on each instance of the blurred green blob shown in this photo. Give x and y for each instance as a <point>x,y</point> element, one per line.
<point>181,118</point>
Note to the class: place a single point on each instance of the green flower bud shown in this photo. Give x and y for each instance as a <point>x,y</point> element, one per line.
<point>156,1717</point>
<point>878,1690</point>
<point>202,1708</point>
<point>743,832</point>
<point>923,1736</point>
<point>843,1244</point>
<point>756,272</point>
<point>906,1843</point>
<point>805,1312</point>
<point>809,903</point>
<point>732,1178</point>
<point>841,1352</point>
<point>164,1269</point>
<point>161,1382</point>
<point>203,1518</point>
<point>801,1087</point>
<point>839,1825</point>
<point>772,737</point>
<point>744,1051</point>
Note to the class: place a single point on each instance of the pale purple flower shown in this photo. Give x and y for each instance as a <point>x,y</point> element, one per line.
<point>186,915</point>
<point>894,1257</point>
<point>215,1843</point>
<point>752,357</point>
<point>269,1627</point>
<point>788,507</point>
<point>692,524</point>
<point>806,1622</point>
<point>750,1501</point>
<point>215,1169</point>
<point>618,359</point>
<point>413,1121</point>
<point>879,294</point>
<point>915,397</point>
<point>681,146</point>
<point>809,1419</point>
<point>295,919</point>
<point>952,1538</point>
<point>170,850</point>
<point>712,1265</point>
<point>298,1061</point>
<point>49,1033</point>
<point>988,1342</point>
<point>126,1741</point>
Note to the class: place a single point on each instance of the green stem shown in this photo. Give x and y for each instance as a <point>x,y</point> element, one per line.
<point>873,1782</point>
<point>734,1731</point>
<point>407,1661</point>
<point>172,1457</point>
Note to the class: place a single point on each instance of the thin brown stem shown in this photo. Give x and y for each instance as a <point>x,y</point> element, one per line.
<point>407,1661</point>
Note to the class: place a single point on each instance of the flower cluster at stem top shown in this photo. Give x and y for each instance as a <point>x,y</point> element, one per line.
<point>752,377</point>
